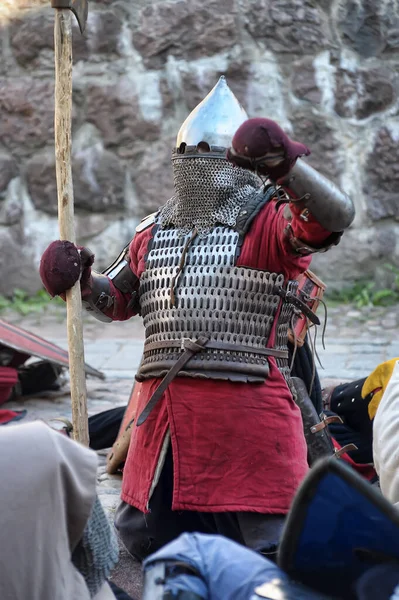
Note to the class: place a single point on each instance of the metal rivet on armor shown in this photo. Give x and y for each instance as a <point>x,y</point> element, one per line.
<point>353,399</point>
<point>339,403</point>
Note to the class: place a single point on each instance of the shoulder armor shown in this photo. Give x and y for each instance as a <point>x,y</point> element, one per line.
<point>252,208</point>
<point>147,222</point>
<point>121,274</point>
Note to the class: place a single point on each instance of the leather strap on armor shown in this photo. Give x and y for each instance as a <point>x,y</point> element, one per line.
<point>317,435</point>
<point>330,206</point>
<point>305,249</point>
<point>294,299</point>
<point>216,346</point>
<point>190,348</point>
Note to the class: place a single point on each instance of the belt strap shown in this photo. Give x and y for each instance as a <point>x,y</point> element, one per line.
<point>325,421</point>
<point>190,348</point>
<point>217,346</point>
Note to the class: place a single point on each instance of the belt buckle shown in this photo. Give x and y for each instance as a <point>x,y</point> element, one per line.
<point>183,343</point>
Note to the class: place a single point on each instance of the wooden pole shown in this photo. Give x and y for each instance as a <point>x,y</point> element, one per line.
<point>63,147</point>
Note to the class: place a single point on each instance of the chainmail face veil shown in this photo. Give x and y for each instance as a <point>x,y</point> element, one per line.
<point>208,191</point>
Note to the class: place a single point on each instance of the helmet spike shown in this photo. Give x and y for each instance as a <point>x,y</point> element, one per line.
<point>213,121</point>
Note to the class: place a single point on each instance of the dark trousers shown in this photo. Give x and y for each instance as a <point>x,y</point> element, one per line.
<point>142,534</point>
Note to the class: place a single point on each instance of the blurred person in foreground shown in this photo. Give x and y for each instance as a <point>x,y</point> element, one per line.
<point>57,543</point>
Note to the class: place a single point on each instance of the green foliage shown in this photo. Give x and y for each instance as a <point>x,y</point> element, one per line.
<point>24,304</point>
<point>365,293</point>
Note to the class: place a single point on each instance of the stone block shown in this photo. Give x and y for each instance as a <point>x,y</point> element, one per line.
<point>98,177</point>
<point>11,205</point>
<point>33,32</point>
<point>27,109</point>
<point>115,111</point>
<point>17,267</point>
<point>313,130</point>
<point>303,81</point>
<point>41,181</point>
<point>32,37</point>
<point>99,181</point>
<point>8,170</point>
<point>369,28</point>
<point>187,29</point>
<point>153,176</point>
<point>103,33</point>
<point>295,27</point>
<point>382,177</point>
<point>362,93</point>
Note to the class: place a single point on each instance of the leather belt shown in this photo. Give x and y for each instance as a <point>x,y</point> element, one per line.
<point>217,346</point>
<point>190,348</point>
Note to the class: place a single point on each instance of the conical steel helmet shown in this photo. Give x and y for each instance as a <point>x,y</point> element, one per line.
<point>215,120</point>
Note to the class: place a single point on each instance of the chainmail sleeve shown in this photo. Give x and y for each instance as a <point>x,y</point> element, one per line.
<point>97,552</point>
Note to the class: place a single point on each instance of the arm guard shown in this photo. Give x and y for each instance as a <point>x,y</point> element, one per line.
<point>330,206</point>
<point>123,278</point>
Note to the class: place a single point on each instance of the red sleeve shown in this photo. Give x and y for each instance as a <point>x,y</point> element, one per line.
<point>266,245</point>
<point>120,310</point>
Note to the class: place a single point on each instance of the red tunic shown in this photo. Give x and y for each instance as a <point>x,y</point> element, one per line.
<point>236,446</point>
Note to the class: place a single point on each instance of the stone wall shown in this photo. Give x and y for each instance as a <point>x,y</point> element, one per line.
<point>326,70</point>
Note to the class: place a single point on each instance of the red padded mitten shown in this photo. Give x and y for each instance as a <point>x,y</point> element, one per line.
<point>262,146</point>
<point>62,265</point>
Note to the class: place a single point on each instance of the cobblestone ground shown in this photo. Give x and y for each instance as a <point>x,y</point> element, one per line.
<point>356,341</point>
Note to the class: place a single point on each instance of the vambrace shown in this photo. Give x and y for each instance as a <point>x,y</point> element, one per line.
<point>123,278</point>
<point>330,206</point>
<point>100,297</point>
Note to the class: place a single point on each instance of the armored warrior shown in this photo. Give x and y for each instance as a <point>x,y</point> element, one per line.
<point>218,443</point>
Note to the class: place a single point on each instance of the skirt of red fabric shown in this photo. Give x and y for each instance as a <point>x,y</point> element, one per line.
<point>236,446</point>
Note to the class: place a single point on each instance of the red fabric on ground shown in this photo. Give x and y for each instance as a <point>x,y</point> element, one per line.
<point>7,416</point>
<point>235,446</point>
<point>8,378</point>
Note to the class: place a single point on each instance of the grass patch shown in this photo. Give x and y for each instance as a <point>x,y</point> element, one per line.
<point>366,293</point>
<point>25,304</point>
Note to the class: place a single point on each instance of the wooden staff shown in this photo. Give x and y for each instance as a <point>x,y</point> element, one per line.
<point>63,147</point>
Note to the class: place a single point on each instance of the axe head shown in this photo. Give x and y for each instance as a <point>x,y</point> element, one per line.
<point>80,9</point>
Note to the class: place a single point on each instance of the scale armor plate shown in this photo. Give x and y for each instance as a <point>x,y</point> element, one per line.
<point>208,191</point>
<point>232,305</point>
